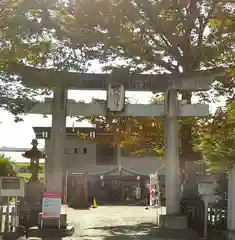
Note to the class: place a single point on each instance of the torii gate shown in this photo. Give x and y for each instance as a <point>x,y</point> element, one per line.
<point>61,81</point>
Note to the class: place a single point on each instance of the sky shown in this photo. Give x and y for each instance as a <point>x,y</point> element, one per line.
<point>21,134</point>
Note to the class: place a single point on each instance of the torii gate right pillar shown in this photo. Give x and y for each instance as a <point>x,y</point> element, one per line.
<point>171,157</point>
<point>173,219</point>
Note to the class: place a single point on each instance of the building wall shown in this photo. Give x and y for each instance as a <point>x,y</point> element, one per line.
<point>82,163</point>
<point>87,162</point>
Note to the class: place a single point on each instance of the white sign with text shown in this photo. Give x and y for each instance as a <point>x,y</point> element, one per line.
<point>51,205</point>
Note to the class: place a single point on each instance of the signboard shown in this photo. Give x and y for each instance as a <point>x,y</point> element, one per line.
<point>51,205</point>
<point>12,186</point>
<point>10,183</point>
<point>115,98</point>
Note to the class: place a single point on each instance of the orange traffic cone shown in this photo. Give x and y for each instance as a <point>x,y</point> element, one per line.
<point>94,203</point>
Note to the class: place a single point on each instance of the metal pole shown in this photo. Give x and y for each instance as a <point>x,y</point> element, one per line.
<point>7,220</point>
<point>150,190</point>
<point>16,213</point>
<point>205,216</point>
<point>66,191</point>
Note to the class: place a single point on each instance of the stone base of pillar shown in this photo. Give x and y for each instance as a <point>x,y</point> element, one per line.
<point>174,227</point>
<point>50,233</point>
<point>173,222</point>
<point>230,235</point>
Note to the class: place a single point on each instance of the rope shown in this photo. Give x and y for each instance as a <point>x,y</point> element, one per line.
<point>134,204</point>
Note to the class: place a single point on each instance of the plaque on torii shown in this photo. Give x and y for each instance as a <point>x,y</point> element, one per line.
<point>116,91</point>
<point>115,98</point>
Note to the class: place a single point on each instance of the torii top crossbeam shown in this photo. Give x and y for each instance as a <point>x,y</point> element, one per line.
<point>41,78</point>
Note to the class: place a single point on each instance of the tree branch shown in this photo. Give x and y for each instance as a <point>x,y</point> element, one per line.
<point>157,28</point>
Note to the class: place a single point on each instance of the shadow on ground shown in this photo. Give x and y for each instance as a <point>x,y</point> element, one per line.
<point>143,231</point>
<point>140,231</point>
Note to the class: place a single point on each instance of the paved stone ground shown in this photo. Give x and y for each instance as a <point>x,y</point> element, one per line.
<point>113,223</point>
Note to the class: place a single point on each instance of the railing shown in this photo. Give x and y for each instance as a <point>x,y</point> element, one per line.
<point>194,208</point>
<point>217,218</point>
<point>7,219</point>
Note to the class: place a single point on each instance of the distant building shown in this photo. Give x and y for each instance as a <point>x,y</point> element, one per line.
<point>103,162</point>
<point>87,156</point>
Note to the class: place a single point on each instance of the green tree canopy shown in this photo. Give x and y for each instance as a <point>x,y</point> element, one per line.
<point>157,36</point>
<point>217,139</point>
<point>136,134</point>
<point>170,36</point>
<point>30,33</point>
<point>6,166</point>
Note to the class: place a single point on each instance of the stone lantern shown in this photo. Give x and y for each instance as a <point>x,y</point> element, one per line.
<point>34,155</point>
<point>206,188</point>
<point>34,189</point>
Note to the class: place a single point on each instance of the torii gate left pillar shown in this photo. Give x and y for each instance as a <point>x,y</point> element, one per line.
<point>55,173</point>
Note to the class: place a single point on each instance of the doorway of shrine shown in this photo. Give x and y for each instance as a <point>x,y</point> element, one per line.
<point>112,187</point>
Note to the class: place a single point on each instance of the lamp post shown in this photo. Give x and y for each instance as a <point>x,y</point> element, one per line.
<point>102,180</point>
<point>138,180</point>
<point>138,189</point>
<point>33,188</point>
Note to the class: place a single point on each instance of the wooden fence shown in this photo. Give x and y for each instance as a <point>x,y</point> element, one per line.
<point>195,209</point>
<point>217,218</point>
<point>7,219</point>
